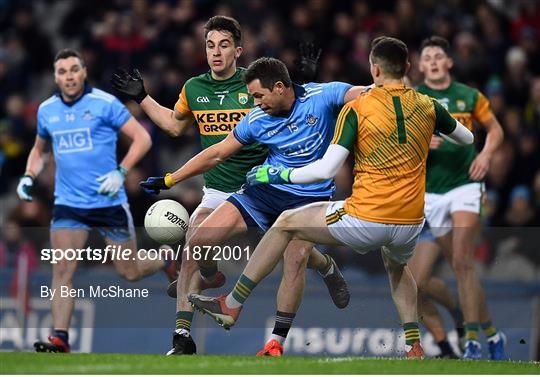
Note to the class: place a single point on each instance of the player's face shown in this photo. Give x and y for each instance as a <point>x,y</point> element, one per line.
<point>435,64</point>
<point>69,75</point>
<point>221,53</point>
<point>270,101</point>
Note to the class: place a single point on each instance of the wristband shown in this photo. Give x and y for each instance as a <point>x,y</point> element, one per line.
<point>122,170</point>
<point>169,181</point>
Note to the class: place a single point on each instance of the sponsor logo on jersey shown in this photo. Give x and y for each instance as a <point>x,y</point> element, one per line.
<point>87,115</point>
<point>460,104</point>
<point>311,120</point>
<point>54,119</point>
<point>304,146</point>
<point>71,141</point>
<point>218,122</point>
<point>243,98</point>
<point>203,99</point>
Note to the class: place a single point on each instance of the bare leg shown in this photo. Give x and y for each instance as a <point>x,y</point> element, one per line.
<point>62,307</point>
<point>189,279</point>
<point>293,281</point>
<point>465,227</point>
<point>134,269</point>
<point>403,289</point>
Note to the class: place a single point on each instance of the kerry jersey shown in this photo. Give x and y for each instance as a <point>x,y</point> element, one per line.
<point>448,166</point>
<point>218,106</point>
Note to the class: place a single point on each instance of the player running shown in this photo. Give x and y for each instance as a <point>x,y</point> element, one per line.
<point>453,197</point>
<point>82,125</point>
<point>389,128</point>
<point>216,101</point>
<point>296,123</point>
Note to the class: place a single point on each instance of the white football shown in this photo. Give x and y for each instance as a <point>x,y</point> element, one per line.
<point>166,221</point>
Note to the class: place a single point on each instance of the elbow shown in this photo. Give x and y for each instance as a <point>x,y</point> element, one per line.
<point>326,174</point>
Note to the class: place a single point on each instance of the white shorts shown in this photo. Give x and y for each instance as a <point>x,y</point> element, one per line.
<point>397,241</point>
<point>439,207</point>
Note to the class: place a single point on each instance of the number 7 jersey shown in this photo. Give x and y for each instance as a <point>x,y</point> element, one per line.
<point>218,106</point>
<point>389,128</point>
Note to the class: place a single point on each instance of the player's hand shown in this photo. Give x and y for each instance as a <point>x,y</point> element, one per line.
<point>435,142</point>
<point>153,185</point>
<point>308,60</point>
<point>112,182</point>
<point>268,174</point>
<point>130,85</point>
<point>479,167</point>
<point>26,183</point>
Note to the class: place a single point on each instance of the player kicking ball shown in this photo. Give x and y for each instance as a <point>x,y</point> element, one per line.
<point>296,123</point>
<point>82,124</point>
<point>388,128</point>
<point>216,102</point>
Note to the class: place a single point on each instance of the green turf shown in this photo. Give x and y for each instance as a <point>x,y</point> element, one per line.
<point>32,363</point>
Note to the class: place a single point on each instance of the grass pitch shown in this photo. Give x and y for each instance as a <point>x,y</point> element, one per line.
<point>33,363</point>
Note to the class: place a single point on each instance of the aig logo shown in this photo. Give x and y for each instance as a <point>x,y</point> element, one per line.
<point>70,141</point>
<point>203,99</point>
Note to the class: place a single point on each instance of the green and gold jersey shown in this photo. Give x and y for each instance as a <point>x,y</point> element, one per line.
<point>448,166</point>
<point>218,106</point>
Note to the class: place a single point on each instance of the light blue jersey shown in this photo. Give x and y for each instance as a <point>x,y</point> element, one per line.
<point>83,136</point>
<point>303,136</point>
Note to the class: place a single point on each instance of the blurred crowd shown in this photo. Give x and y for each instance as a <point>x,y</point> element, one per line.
<point>496,48</point>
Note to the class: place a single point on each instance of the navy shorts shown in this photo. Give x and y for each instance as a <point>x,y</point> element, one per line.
<point>114,222</point>
<point>425,234</point>
<point>261,205</point>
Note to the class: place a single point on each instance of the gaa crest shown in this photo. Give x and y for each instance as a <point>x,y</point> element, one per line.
<point>311,120</point>
<point>242,98</point>
<point>460,104</point>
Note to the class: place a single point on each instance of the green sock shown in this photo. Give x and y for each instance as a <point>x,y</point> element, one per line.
<point>489,329</point>
<point>183,320</point>
<point>412,333</point>
<point>471,331</point>
<point>243,289</point>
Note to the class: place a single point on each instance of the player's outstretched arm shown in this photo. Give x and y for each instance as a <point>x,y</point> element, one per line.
<point>202,162</point>
<point>460,135</point>
<point>320,170</point>
<point>34,166</point>
<point>131,85</point>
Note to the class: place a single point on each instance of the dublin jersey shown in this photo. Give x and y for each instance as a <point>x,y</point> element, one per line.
<point>303,136</point>
<point>218,106</point>
<point>83,135</point>
<point>448,166</point>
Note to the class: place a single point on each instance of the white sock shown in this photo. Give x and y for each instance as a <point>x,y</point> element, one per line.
<point>494,338</point>
<point>182,332</point>
<point>330,271</point>
<point>280,339</point>
<point>231,302</point>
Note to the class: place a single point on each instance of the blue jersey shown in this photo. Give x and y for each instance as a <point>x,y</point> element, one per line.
<point>300,138</point>
<point>83,135</point>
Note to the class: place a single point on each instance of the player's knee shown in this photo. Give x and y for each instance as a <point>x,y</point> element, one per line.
<point>285,220</point>
<point>64,271</point>
<point>130,275</point>
<point>461,265</point>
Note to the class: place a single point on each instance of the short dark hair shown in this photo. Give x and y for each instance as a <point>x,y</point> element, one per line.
<point>436,41</point>
<point>391,54</point>
<point>269,71</point>
<point>68,53</point>
<point>224,23</point>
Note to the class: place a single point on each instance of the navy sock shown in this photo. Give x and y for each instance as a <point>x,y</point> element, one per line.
<point>62,335</point>
<point>209,272</point>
